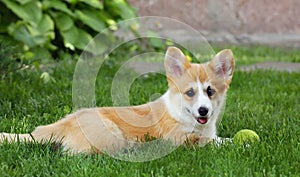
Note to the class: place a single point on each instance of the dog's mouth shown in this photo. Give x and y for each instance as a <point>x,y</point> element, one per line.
<point>202,120</point>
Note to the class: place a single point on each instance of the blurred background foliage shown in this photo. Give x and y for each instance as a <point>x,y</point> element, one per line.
<point>36,31</point>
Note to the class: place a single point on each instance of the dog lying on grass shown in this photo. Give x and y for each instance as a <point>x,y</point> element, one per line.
<point>187,112</point>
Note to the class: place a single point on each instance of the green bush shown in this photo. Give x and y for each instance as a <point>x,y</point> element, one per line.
<point>47,26</point>
<point>9,59</point>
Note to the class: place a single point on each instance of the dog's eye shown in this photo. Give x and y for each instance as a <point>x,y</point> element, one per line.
<point>210,92</point>
<point>190,93</point>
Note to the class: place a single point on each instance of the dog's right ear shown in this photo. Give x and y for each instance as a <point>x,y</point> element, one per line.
<point>223,64</point>
<point>175,62</point>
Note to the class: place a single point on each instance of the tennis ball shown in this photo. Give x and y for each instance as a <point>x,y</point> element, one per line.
<point>245,136</point>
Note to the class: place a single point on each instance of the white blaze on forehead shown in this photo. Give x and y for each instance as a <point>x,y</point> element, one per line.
<point>202,86</point>
<point>202,98</point>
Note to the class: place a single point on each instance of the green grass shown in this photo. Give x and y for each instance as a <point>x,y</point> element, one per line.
<point>252,54</point>
<point>264,101</point>
<point>246,55</point>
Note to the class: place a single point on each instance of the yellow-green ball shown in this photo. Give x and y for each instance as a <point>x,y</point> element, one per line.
<point>245,136</point>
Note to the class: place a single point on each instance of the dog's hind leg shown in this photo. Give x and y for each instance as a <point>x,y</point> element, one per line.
<point>11,137</point>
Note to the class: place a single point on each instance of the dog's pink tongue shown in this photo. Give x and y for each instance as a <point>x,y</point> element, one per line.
<point>202,120</point>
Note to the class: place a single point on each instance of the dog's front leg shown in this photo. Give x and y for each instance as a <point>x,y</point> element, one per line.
<point>194,139</point>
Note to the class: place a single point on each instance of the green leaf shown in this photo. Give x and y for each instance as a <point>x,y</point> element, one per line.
<point>20,32</point>
<point>108,19</point>
<point>57,5</point>
<point>72,2</point>
<point>83,39</point>
<point>41,34</point>
<point>93,3</point>
<point>155,39</point>
<point>34,23</point>
<point>70,36</point>
<point>62,21</point>
<point>45,76</point>
<point>22,2</point>
<point>46,24</point>
<point>91,18</point>
<point>75,37</point>
<point>121,8</point>
<point>30,12</point>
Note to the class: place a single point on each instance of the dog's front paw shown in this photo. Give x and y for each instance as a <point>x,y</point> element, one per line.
<point>201,141</point>
<point>222,141</point>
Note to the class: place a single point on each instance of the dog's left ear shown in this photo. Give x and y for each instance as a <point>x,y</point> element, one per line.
<point>223,64</point>
<point>176,62</point>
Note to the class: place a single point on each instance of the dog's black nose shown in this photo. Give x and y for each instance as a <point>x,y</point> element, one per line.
<point>203,111</point>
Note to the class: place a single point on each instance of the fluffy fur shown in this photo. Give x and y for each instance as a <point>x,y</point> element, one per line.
<point>188,111</point>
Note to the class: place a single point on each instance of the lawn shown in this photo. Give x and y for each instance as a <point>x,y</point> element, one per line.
<point>264,101</point>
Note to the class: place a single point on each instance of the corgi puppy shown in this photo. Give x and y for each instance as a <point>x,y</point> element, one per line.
<point>187,112</point>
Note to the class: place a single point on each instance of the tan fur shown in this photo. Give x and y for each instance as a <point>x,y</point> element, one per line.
<point>110,128</point>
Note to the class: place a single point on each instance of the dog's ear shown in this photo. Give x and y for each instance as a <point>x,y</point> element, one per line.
<point>223,64</point>
<point>176,62</point>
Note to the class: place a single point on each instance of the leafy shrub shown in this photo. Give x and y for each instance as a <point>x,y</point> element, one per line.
<point>10,59</point>
<point>46,26</point>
